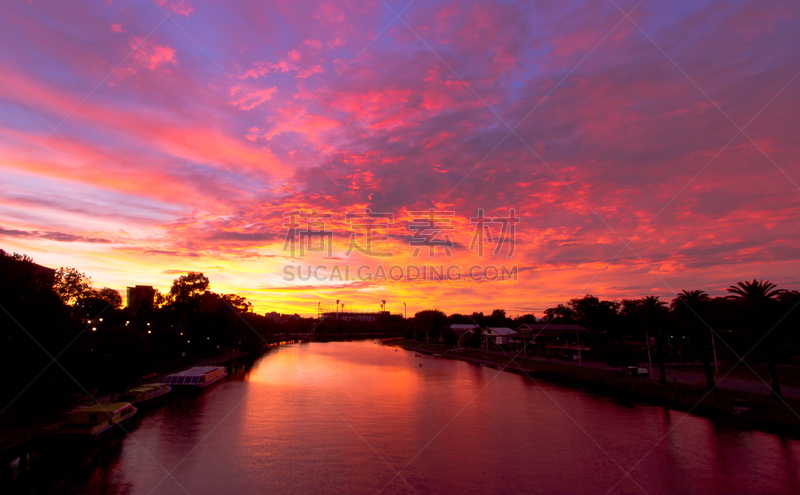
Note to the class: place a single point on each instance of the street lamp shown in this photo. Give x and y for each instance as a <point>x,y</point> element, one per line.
<point>337,309</point>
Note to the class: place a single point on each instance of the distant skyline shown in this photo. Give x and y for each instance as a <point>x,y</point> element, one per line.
<point>645,147</point>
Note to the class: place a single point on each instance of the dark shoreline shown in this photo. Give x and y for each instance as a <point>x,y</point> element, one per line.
<point>766,414</point>
<point>30,420</point>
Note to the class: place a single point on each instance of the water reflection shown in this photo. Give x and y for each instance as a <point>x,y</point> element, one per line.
<point>357,417</point>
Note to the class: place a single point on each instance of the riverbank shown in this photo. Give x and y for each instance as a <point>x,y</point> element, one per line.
<point>22,431</point>
<point>765,413</point>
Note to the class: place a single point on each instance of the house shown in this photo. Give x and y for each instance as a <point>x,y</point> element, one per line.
<point>559,339</point>
<point>462,330</point>
<point>498,336</point>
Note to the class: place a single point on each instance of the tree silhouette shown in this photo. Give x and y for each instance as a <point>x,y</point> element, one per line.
<point>655,315</point>
<point>559,314</point>
<point>159,299</point>
<point>33,317</point>
<point>239,303</point>
<point>110,296</point>
<point>186,286</point>
<point>594,314</point>
<point>756,292</point>
<point>18,257</point>
<point>526,318</point>
<point>498,318</point>
<point>72,285</point>
<point>430,322</point>
<point>759,300</point>
<point>691,309</point>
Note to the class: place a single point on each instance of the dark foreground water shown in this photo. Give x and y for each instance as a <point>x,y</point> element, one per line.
<point>358,417</point>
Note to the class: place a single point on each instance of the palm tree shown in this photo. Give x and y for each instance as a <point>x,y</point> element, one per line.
<point>755,292</point>
<point>691,308</point>
<point>655,313</point>
<point>758,298</point>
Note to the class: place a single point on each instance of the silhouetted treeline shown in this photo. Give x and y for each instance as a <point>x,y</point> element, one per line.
<point>755,322</point>
<point>62,337</point>
<point>55,327</point>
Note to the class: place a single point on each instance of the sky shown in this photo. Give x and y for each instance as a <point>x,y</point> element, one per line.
<point>561,148</point>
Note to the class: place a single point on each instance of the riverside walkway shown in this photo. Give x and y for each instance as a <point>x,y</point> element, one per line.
<point>676,376</point>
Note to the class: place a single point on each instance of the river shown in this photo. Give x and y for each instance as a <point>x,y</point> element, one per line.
<point>359,417</point>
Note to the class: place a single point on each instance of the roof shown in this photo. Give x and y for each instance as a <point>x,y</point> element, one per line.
<point>107,407</point>
<point>563,327</point>
<point>502,330</point>
<point>197,371</point>
<point>147,387</point>
<point>459,326</point>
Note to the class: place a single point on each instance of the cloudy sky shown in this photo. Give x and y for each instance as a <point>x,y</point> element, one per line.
<point>645,147</point>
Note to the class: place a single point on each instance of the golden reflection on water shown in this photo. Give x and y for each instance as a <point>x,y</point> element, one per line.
<point>347,417</point>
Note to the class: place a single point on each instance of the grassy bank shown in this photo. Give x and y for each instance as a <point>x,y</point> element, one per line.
<point>765,412</point>
<point>789,374</point>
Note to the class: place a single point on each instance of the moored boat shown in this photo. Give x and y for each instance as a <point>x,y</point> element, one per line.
<point>95,422</point>
<point>196,378</point>
<point>145,395</point>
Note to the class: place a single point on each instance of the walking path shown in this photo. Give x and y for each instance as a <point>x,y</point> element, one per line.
<point>686,377</point>
<point>692,378</point>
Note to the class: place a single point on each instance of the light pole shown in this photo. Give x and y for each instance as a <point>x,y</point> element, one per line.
<point>405,311</point>
<point>714,347</point>
<point>649,359</point>
<point>337,309</point>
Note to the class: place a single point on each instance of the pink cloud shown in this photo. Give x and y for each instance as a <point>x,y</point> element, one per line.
<point>335,43</point>
<point>150,54</point>
<point>304,62</point>
<point>177,6</point>
<point>251,99</point>
<point>314,44</point>
<point>329,13</point>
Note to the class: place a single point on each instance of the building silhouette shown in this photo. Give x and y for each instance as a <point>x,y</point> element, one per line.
<point>354,315</point>
<point>141,298</point>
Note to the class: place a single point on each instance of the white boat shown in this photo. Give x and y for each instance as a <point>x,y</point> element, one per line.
<point>146,394</point>
<point>196,378</point>
<point>94,422</point>
<point>637,371</point>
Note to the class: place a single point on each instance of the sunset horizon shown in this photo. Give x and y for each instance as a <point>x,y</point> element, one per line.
<point>171,137</point>
<point>400,246</point>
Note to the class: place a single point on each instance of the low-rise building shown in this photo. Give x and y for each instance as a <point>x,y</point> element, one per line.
<point>463,330</point>
<point>499,336</point>
<point>278,317</point>
<point>559,339</point>
<point>354,316</point>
